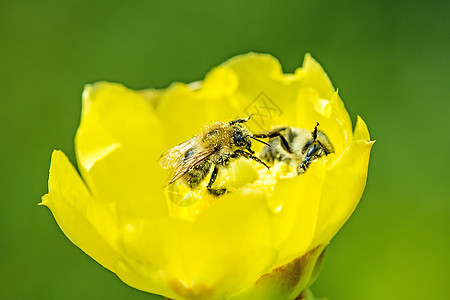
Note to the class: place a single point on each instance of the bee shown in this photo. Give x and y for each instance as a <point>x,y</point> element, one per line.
<point>298,148</point>
<point>214,147</point>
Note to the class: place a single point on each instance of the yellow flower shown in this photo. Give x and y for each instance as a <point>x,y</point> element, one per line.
<point>263,240</point>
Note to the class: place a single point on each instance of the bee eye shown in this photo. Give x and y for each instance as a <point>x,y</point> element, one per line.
<point>239,139</point>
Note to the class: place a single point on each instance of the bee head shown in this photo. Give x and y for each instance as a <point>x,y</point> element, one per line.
<point>241,138</point>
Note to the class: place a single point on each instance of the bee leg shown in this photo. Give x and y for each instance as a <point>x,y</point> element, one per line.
<point>314,152</point>
<point>239,153</point>
<point>314,133</point>
<point>305,164</point>
<point>311,141</point>
<point>274,133</point>
<point>215,192</point>
<point>243,120</point>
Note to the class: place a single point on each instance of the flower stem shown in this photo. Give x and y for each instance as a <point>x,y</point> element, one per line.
<point>308,295</point>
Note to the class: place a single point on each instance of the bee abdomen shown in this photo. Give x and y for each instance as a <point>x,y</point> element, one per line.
<point>196,174</point>
<point>276,152</point>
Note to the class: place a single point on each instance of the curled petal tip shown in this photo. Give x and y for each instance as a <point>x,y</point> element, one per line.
<point>44,200</point>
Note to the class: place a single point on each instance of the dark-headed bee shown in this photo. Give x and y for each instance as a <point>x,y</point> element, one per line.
<point>215,146</point>
<point>298,147</point>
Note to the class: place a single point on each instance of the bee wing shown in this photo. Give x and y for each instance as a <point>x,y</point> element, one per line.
<point>186,164</point>
<point>173,156</point>
<point>176,159</point>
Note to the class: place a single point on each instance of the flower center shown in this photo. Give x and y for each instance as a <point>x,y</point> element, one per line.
<point>186,203</point>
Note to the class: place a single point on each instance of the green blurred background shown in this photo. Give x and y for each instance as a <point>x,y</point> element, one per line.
<point>389,59</point>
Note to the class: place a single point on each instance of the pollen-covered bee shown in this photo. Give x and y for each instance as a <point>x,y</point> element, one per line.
<point>298,147</point>
<point>215,146</point>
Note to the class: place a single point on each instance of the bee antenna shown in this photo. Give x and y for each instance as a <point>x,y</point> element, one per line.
<point>259,140</point>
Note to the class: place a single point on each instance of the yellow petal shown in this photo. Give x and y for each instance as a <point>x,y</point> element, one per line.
<point>335,123</point>
<point>183,112</point>
<point>118,143</point>
<point>361,131</point>
<point>284,282</point>
<point>145,276</point>
<point>70,202</point>
<point>231,239</point>
<point>221,81</point>
<point>185,109</point>
<point>263,90</point>
<point>315,77</point>
<point>296,201</point>
<point>342,189</point>
<point>319,102</point>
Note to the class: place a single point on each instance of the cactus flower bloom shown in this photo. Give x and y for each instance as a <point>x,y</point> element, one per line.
<point>264,239</point>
